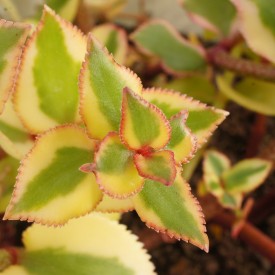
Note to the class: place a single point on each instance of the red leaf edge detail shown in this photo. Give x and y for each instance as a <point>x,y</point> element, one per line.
<point>150,105</point>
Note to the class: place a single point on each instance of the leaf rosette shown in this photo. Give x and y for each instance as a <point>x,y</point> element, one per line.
<point>125,150</point>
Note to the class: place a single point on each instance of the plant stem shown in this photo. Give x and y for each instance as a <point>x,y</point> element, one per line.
<point>264,206</point>
<point>8,256</point>
<point>219,57</point>
<point>249,234</point>
<point>257,134</point>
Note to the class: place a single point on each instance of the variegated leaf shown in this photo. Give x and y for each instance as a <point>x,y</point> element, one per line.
<point>183,143</point>
<point>202,120</point>
<point>246,175</point>
<point>8,172</point>
<point>115,171</point>
<point>177,55</point>
<point>258,25</point>
<point>46,94</point>
<point>114,39</point>
<point>214,165</point>
<point>14,139</point>
<point>214,15</point>
<point>112,205</point>
<point>12,37</point>
<point>158,166</point>
<point>101,83</point>
<point>143,125</point>
<point>49,179</point>
<point>256,95</point>
<point>83,247</point>
<point>172,210</point>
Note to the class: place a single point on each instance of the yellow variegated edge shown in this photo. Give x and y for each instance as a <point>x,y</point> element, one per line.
<point>118,179</point>
<point>259,38</point>
<point>153,221</point>
<point>56,211</point>
<point>16,148</point>
<point>200,50</point>
<point>176,102</point>
<point>92,235</point>
<point>187,147</point>
<point>15,270</point>
<point>214,164</point>
<point>102,33</point>
<point>112,205</point>
<point>8,76</point>
<point>97,124</point>
<point>132,121</point>
<point>25,98</point>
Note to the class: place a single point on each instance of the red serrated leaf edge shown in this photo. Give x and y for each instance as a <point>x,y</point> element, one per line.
<point>122,127</point>
<point>180,96</point>
<point>156,178</point>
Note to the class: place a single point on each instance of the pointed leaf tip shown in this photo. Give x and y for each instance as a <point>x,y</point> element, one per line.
<point>172,210</point>
<point>142,123</point>
<point>100,85</point>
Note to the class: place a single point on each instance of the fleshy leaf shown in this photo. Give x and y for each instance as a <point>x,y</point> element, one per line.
<point>46,93</point>
<point>183,143</point>
<point>14,139</point>
<point>112,205</point>
<point>8,172</point>
<point>202,120</point>
<point>198,87</point>
<point>214,165</point>
<point>114,39</point>
<point>83,247</point>
<point>143,125</point>
<point>49,179</point>
<point>246,175</point>
<point>157,166</point>
<point>172,210</point>
<point>115,171</point>
<point>256,95</point>
<point>178,56</point>
<point>12,37</point>
<point>257,24</point>
<point>101,83</point>
<point>215,15</point>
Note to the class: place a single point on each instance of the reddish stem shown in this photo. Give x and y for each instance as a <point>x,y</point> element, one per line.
<point>257,134</point>
<point>219,57</point>
<point>262,208</point>
<point>251,235</point>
